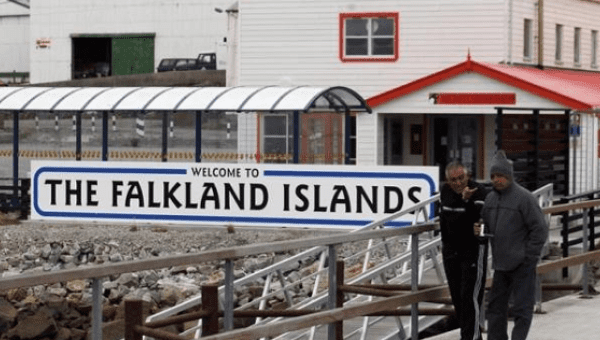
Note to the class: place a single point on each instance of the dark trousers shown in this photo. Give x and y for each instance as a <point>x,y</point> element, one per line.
<point>466,280</point>
<point>519,282</point>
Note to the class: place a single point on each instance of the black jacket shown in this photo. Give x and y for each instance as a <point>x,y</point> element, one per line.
<point>457,218</point>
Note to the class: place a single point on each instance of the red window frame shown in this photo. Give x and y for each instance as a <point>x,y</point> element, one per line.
<point>342,34</point>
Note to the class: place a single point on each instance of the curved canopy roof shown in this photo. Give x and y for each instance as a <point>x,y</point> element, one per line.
<point>238,99</point>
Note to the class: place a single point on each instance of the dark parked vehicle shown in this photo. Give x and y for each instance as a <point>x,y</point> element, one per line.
<point>205,61</point>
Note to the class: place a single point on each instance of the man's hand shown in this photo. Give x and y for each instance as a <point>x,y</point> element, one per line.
<point>477,229</point>
<point>467,193</point>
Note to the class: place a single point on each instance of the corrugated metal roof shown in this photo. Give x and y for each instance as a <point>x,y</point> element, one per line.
<point>577,90</point>
<point>238,99</point>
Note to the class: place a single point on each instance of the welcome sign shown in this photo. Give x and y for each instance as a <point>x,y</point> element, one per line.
<point>219,193</point>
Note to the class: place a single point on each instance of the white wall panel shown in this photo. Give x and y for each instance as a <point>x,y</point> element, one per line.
<point>14,47</point>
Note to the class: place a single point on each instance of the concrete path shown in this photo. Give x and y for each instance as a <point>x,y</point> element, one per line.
<point>567,318</point>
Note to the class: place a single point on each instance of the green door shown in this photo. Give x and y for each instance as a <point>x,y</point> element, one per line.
<point>132,55</point>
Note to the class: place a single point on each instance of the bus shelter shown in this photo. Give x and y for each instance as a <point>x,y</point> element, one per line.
<point>76,101</point>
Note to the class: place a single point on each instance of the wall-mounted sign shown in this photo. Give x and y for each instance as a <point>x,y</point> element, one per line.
<point>238,194</point>
<point>43,42</point>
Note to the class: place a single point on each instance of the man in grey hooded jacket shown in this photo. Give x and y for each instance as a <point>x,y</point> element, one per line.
<point>515,219</point>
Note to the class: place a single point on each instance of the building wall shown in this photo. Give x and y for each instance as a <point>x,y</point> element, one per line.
<point>570,14</point>
<point>183,28</point>
<point>297,42</point>
<point>14,36</point>
<point>288,42</point>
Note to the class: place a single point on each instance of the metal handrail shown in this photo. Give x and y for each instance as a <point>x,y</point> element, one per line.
<point>363,234</point>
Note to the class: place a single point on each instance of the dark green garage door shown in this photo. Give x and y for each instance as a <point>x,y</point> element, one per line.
<point>132,55</point>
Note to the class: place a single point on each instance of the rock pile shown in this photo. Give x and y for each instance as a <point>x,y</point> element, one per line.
<point>62,311</point>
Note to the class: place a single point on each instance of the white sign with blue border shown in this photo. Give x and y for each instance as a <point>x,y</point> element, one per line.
<point>237,194</point>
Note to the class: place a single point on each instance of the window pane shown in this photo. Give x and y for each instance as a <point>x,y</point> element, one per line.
<point>356,46</point>
<point>576,43</point>
<point>356,26</point>
<point>275,145</point>
<point>274,125</point>
<point>527,38</point>
<point>558,52</point>
<point>383,46</point>
<point>594,47</point>
<point>383,26</point>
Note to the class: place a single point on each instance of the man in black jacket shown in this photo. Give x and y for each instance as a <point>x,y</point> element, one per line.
<point>464,255</point>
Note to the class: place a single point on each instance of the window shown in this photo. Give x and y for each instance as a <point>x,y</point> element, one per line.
<point>594,48</point>
<point>558,52</point>
<point>527,41</point>
<point>369,36</point>
<point>278,146</point>
<point>577,46</point>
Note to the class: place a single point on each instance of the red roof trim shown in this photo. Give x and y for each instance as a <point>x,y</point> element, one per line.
<point>472,66</point>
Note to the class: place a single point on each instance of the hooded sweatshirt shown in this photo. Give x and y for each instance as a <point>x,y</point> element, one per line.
<point>516,220</point>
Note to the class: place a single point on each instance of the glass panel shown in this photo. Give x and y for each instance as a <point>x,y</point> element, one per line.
<point>383,46</point>
<point>356,27</point>
<point>558,51</point>
<point>356,46</point>
<point>383,26</point>
<point>275,145</point>
<point>274,125</point>
<point>527,38</point>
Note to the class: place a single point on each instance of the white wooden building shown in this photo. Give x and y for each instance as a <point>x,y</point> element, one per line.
<point>380,47</point>
<point>14,37</point>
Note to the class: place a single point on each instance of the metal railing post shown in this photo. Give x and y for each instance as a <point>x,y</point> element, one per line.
<point>228,303</point>
<point>331,329</point>
<point>97,309</point>
<point>414,281</point>
<point>339,299</point>
<point>584,249</point>
<point>565,237</point>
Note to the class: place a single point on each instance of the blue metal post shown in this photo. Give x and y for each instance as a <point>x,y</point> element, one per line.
<point>198,136</point>
<point>15,197</point>
<point>165,139</point>
<point>105,135</point>
<point>78,136</point>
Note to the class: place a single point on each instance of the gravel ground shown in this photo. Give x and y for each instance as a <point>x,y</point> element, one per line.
<point>132,239</point>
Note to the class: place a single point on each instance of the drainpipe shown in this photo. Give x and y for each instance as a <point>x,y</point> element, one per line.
<point>540,10</point>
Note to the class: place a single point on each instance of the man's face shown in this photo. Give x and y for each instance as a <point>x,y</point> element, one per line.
<point>500,181</point>
<point>457,179</point>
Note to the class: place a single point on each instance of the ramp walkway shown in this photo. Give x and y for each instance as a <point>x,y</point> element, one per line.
<point>570,317</point>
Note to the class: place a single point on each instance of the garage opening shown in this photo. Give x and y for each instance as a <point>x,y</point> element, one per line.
<point>91,57</point>
<point>103,55</point>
